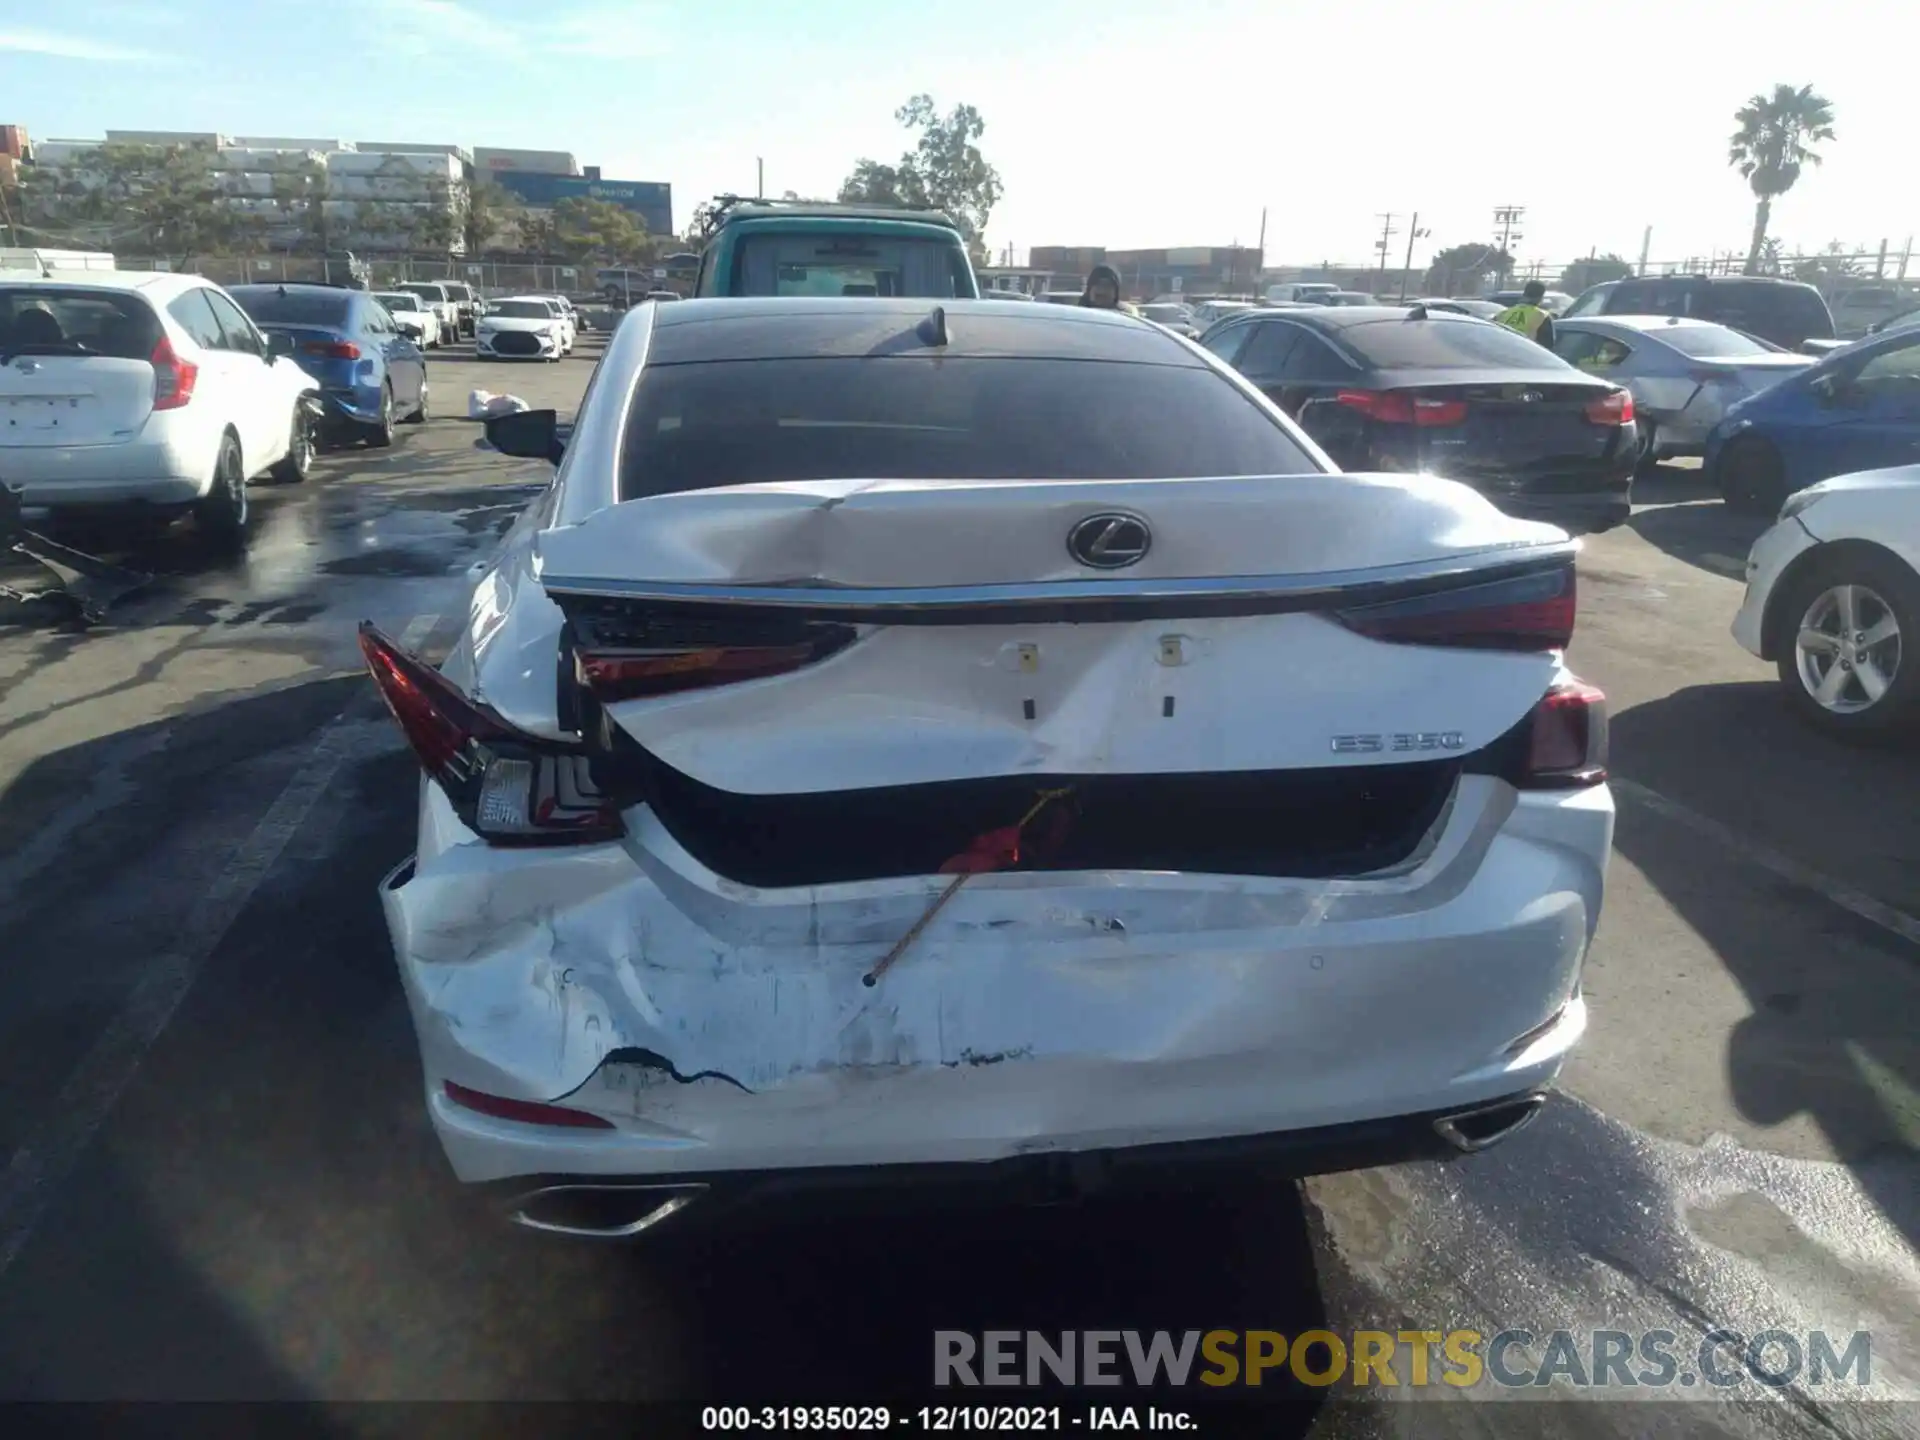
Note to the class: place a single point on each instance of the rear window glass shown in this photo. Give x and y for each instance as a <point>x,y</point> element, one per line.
<point>397,299</point>
<point>1710,342</point>
<point>1444,345</point>
<point>846,264</point>
<point>711,424</point>
<point>1768,308</point>
<point>293,307</point>
<point>50,321</point>
<point>521,310</point>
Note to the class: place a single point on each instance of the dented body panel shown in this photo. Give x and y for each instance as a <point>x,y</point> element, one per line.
<point>1038,1012</point>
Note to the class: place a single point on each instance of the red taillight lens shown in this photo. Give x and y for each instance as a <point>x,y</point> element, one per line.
<point>508,787</point>
<point>1615,408</point>
<point>173,378</point>
<point>1532,612</point>
<point>1400,407</point>
<point>527,1112</point>
<point>331,349</point>
<point>1565,739</point>
<point>633,653</point>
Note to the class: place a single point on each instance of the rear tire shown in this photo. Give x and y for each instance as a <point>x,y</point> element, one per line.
<point>293,468</point>
<point>222,516</point>
<point>1648,461</point>
<point>419,415</point>
<point>1753,477</point>
<point>1884,596</point>
<point>380,432</point>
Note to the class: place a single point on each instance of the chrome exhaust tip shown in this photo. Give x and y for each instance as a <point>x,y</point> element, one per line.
<point>600,1212</point>
<point>1484,1125</point>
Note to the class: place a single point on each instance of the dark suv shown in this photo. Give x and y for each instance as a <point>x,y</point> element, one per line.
<point>1785,312</point>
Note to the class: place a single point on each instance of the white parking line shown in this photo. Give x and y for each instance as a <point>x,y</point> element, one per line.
<point>1856,902</point>
<point>52,1148</point>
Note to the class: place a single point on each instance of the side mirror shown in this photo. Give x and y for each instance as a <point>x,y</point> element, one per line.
<point>278,345</point>
<point>528,434</point>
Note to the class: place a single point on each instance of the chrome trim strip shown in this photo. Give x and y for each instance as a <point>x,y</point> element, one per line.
<point>1516,558</point>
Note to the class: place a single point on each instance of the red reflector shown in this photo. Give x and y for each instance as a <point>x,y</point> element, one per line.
<point>1615,408</point>
<point>173,378</point>
<point>527,1112</point>
<point>1566,739</point>
<point>331,349</point>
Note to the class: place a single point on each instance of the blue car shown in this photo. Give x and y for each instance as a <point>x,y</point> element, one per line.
<point>1858,409</point>
<point>370,375</point>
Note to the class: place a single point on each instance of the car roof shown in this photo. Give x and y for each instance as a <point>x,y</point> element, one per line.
<point>784,327</point>
<point>1345,317</point>
<point>103,280</point>
<point>825,210</point>
<point>295,288</point>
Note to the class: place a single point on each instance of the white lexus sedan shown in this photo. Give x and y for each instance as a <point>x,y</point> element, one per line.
<point>1833,599</point>
<point>146,393</point>
<point>982,741</point>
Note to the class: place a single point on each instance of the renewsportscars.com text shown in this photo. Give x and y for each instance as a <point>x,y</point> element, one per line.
<point>1461,1359</point>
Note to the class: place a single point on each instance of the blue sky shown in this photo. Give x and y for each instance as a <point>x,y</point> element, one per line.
<point>1133,122</point>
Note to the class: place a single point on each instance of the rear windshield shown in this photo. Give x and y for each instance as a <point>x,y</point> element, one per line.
<point>430,291</point>
<point>711,424</point>
<point>847,264</point>
<point>48,321</point>
<point>293,307</point>
<point>398,300</point>
<point>521,310</point>
<point>459,292</point>
<point>1445,345</point>
<point>1765,308</point>
<point>1711,342</point>
<point>1166,314</point>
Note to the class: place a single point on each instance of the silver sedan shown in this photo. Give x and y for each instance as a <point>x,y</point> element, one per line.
<point>1683,373</point>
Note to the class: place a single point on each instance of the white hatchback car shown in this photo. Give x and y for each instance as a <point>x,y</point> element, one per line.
<point>145,391</point>
<point>780,820</point>
<point>520,327</point>
<point>1833,599</point>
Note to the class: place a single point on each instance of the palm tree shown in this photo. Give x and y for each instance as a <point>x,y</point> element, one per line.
<point>1776,138</point>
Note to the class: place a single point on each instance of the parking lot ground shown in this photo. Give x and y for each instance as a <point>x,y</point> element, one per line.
<point>221,1184</point>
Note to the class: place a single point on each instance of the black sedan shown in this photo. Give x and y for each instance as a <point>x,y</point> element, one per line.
<point>1382,388</point>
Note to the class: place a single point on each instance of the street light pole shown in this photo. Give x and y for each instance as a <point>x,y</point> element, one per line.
<point>760,178</point>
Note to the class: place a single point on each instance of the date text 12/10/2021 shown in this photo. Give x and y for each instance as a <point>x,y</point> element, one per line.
<point>941,1419</point>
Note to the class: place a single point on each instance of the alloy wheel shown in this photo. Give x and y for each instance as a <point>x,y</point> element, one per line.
<point>1847,649</point>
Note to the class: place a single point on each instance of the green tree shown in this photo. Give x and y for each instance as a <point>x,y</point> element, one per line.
<point>1774,143</point>
<point>489,211</point>
<point>599,230</point>
<point>1468,265</point>
<point>301,192</point>
<point>1595,270</point>
<point>945,169</point>
<point>164,200</point>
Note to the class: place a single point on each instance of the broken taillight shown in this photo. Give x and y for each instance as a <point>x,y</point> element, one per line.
<point>1563,741</point>
<point>623,654</point>
<point>507,786</point>
<point>1531,612</point>
<point>527,1112</point>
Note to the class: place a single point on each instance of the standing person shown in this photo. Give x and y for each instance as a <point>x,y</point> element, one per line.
<point>1103,289</point>
<point>1529,317</point>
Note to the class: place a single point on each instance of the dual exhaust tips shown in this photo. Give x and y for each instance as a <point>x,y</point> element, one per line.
<point>622,1212</point>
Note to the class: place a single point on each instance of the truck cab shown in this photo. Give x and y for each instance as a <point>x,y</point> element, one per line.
<point>785,248</point>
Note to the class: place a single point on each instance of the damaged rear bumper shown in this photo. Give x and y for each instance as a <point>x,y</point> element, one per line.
<point>721,1029</point>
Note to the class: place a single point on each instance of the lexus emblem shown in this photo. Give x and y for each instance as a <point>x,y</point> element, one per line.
<point>1110,541</point>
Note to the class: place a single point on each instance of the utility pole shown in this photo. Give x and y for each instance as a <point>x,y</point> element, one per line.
<point>1505,217</point>
<point>1261,263</point>
<point>1646,245</point>
<point>1387,232</point>
<point>760,178</point>
<point>1414,232</point>
<point>1905,255</point>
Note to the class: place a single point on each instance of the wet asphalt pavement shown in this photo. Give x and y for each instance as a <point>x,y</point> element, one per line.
<point>222,1184</point>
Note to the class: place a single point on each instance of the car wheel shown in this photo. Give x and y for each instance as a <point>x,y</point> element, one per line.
<point>222,514</point>
<point>299,457</point>
<point>1753,477</point>
<point>419,416</point>
<point>1846,652</point>
<point>380,432</point>
<point>1647,459</point>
